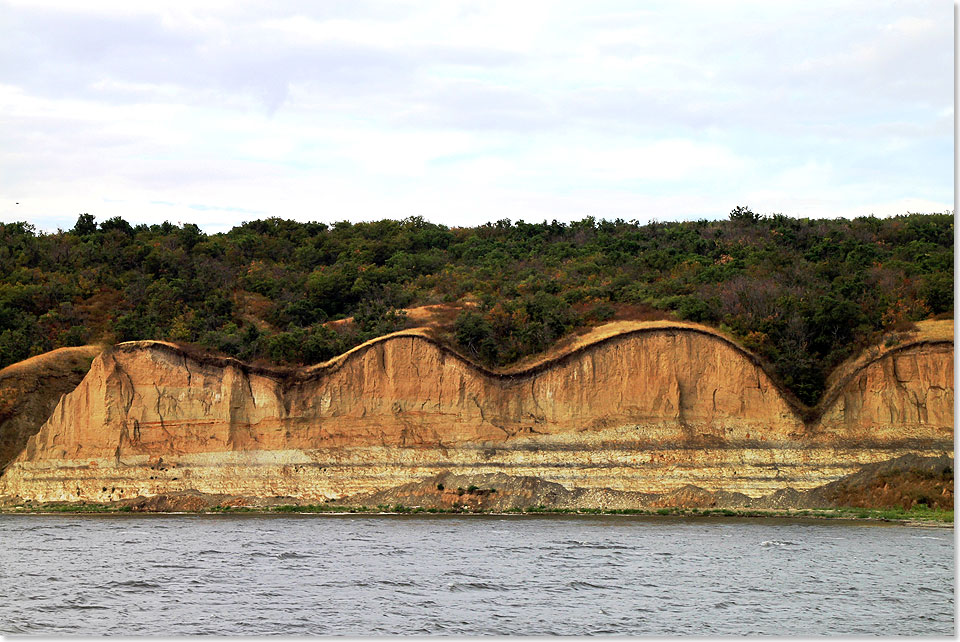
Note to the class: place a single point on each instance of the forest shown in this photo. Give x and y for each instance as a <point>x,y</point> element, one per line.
<point>803,294</point>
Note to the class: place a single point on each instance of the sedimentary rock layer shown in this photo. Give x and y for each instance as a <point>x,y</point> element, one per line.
<point>649,409</point>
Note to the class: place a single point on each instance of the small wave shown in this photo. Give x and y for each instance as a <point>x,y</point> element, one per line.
<point>579,584</point>
<point>778,542</point>
<point>598,545</point>
<point>607,547</point>
<point>211,552</point>
<point>293,556</point>
<point>132,584</point>
<point>458,587</point>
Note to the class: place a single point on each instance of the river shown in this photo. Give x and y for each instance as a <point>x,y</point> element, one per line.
<point>363,575</point>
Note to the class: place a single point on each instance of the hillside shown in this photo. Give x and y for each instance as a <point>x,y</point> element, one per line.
<point>803,295</point>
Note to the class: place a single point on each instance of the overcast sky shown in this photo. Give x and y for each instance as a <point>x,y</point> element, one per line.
<point>468,112</point>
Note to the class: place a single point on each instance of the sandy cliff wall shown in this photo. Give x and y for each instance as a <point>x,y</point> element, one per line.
<point>648,409</point>
<point>904,394</point>
<point>31,389</point>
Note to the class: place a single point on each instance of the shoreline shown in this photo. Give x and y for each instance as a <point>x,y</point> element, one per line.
<point>934,518</point>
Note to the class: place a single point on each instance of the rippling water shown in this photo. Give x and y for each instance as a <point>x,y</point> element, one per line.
<point>230,575</point>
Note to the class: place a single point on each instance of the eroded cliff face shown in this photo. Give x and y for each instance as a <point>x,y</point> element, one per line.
<point>649,410</point>
<point>31,389</point>
<point>904,395</point>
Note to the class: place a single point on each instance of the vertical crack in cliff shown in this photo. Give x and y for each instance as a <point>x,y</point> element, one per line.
<point>483,418</point>
<point>171,442</point>
<point>620,384</point>
<point>899,382</point>
<point>114,371</point>
<point>412,358</point>
<point>688,432</point>
<point>461,391</point>
<point>442,369</point>
<point>286,391</point>
<point>540,416</point>
<point>157,409</point>
<point>241,390</point>
<point>246,379</point>
<point>381,354</point>
<point>124,434</point>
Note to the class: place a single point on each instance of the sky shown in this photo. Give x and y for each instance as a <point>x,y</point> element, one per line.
<point>221,112</point>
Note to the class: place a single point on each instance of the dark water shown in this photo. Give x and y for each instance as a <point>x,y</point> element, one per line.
<point>230,575</point>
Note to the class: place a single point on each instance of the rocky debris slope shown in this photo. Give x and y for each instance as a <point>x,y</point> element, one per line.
<point>655,408</point>
<point>906,482</point>
<point>500,492</point>
<point>901,482</point>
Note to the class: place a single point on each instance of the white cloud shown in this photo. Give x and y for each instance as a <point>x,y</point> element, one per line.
<point>914,27</point>
<point>663,160</point>
<point>466,112</point>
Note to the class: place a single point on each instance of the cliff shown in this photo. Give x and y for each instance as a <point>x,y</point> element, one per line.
<point>633,407</point>
<point>31,389</point>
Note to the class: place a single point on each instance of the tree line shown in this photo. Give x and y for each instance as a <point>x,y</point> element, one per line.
<point>802,293</point>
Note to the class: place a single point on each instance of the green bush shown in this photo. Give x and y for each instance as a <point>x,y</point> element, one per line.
<point>804,294</point>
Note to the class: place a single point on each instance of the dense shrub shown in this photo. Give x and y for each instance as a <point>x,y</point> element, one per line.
<point>803,293</point>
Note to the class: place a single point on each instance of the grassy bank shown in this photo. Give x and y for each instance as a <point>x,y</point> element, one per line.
<point>915,514</point>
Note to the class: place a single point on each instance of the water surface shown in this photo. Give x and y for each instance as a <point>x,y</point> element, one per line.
<point>362,575</point>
